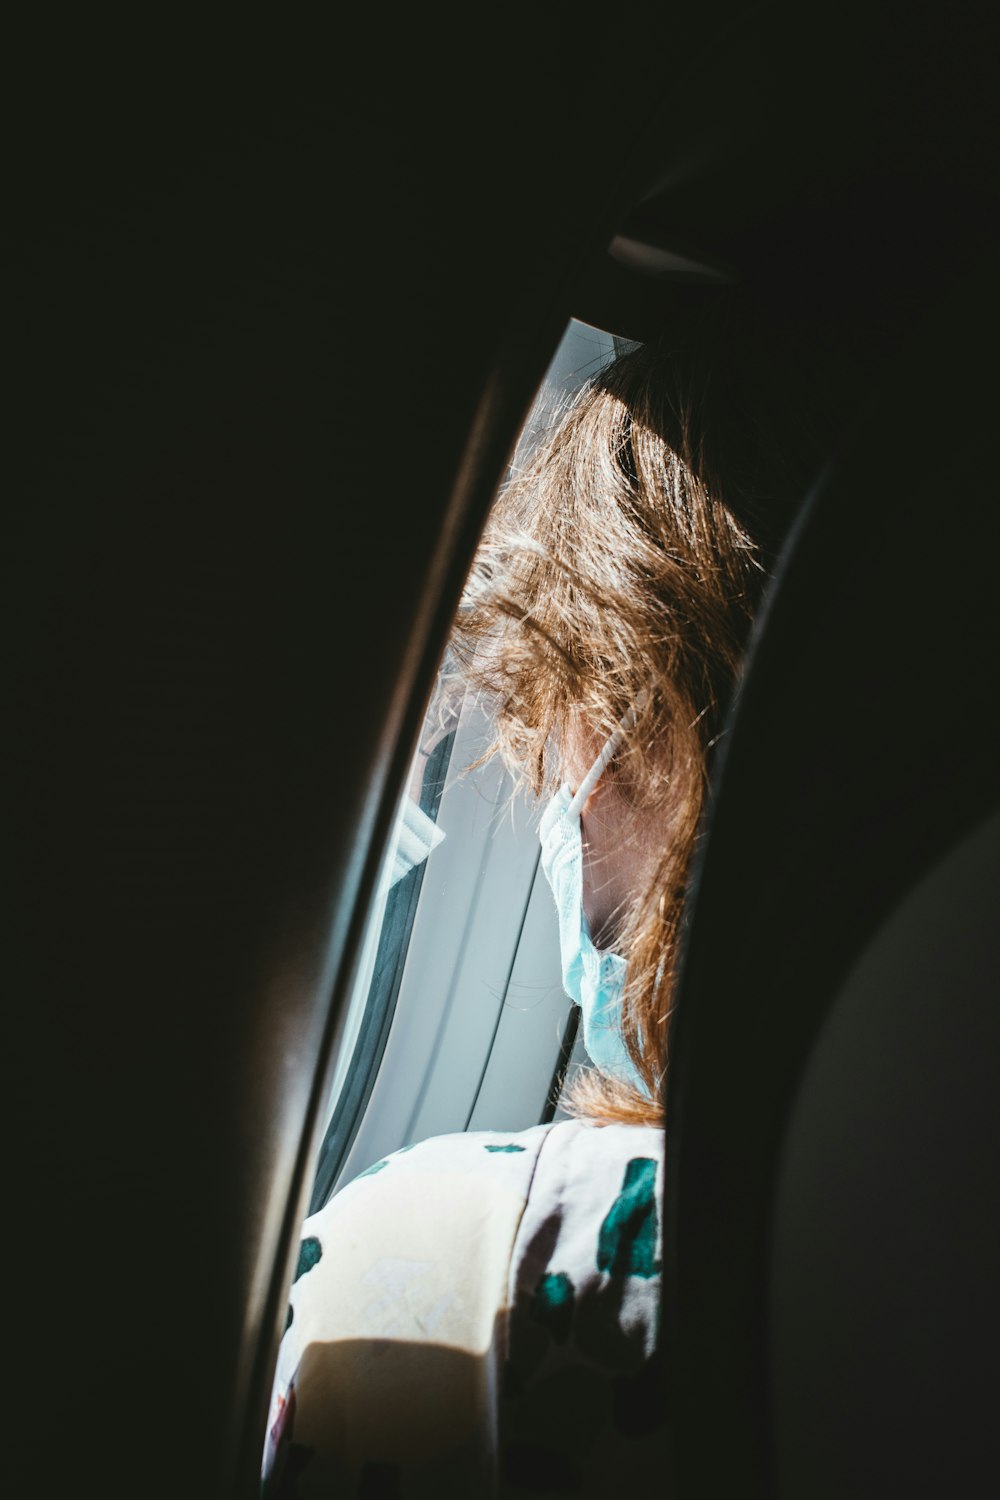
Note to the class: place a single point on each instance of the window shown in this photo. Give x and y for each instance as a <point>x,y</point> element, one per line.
<point>458,1019</point>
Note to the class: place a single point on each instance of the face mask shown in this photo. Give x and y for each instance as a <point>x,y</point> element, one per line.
<point>593,977</point>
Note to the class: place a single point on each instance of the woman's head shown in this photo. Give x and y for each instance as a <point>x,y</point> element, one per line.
<point>622,565</point>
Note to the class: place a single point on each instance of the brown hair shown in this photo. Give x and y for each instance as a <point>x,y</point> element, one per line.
<point>618,559</point>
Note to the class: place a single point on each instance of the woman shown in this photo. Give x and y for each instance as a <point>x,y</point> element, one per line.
<point>477,1314</point>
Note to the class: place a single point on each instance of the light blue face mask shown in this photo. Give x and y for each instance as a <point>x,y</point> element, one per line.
<point>593,977</point>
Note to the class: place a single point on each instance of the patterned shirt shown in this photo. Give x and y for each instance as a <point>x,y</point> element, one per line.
<point>477,1315</point>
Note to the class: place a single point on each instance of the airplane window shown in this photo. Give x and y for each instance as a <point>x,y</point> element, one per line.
<point>458,1019</point>
<point>415,834</point>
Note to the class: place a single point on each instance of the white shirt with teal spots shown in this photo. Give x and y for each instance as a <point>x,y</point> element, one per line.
<point>477,1315</point>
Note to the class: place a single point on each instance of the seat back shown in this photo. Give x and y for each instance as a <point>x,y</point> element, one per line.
<point>834,1099</point>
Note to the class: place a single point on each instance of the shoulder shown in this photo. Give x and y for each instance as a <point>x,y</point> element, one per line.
<point>390,1349</point>
<point>432,1224</point>
<point>448,1228</point>
<point>461,1267</point>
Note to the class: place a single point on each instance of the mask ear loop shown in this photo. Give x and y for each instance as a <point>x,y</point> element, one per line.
<point>625,723</point>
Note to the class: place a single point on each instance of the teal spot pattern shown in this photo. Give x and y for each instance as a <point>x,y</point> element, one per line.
<point>376,1166</point>
<point>552,1304</point>
<point>510,1147</point>
<point>626,1245</point>
<point>310,1254</point>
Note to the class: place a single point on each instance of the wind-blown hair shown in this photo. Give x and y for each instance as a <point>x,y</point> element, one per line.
<point>628,551</point>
